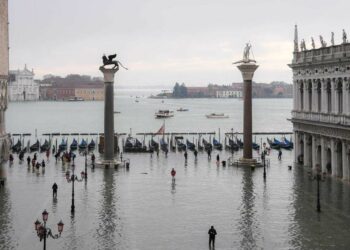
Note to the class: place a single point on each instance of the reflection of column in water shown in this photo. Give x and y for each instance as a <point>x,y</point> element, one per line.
<point>109,231</point>
<point>248,225</point>
<point>2,174</point>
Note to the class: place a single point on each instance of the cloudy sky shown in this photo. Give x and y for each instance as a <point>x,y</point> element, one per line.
<point>164,41</point>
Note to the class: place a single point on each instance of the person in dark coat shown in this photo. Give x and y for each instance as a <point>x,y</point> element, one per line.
<point>212,233</point>
<point>54,190</point>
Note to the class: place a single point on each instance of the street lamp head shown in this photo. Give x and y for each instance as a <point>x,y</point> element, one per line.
<point>37,225</point>
<point>45,215</point>
<point>60,226</point>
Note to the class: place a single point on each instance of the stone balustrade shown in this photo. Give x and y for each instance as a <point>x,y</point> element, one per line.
<point>339,119</point>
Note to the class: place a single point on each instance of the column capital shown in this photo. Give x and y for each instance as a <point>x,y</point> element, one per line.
<point>247,70</point>
<point>108,74</point>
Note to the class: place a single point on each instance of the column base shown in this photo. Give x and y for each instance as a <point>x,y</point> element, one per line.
<point>108,163</point>
<point>244,162</point>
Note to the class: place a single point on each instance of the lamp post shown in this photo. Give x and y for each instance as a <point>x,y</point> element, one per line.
<point>86,153</point>
<point>44,232</point>
<point>72,178</point>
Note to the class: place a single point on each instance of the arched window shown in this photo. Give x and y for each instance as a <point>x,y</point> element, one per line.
<point>319,100</point>
<point>339,92</point>
<point>301,89</point>
<point>329,96</point>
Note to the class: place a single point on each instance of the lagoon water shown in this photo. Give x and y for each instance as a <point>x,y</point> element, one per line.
<point>141,209</point>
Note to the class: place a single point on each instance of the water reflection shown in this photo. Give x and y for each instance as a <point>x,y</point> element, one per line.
<point>247,224</point>
<point>6,230</point>
<point>109,230</point>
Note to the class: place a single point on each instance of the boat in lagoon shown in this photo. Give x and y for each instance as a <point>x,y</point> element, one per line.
<point>35,146</point>
<point>92,145</point>
<point>133,145</point>
<point>182,110</point>
<point>63,145</point>
<point>75,99</point>
<point>232,145</point>
<point>45,146</point>
<point>164,114</point>
<point>83,145</point>
<point>217,145</point>
<point>273,144</point>
<point>153,145</point>
<point>217,115</point>
<point>163,145</point>
<point>74,144</point>
<point>17,147</point>
<point>207,145</point>
<point>180,145</point>
<point>191,146</point>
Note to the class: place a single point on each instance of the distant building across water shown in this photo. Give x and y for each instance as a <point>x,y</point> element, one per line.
<point>22,86</point>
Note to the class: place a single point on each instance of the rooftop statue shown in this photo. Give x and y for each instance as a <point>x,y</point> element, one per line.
<point>302,45</point>
<point>332,39</point>
<point>109,61</point>
<point>246,55</point>
<point>313,43</point>
<point>323,43</point>
<point>345,39</point>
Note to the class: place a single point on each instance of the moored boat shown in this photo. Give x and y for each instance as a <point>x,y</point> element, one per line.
<point>35,146</point>
<point>182,109</point>
<point>82,145</point>
<point>217,145</point>
<point>45,146</point>
<point>207,145</point>
<point>164,114</point>
<point>163,145</point>
<point>92,145</point>
<point>74,145</point>
<point>190,145</point>
<point>63,145</point>
<point>217,115</point>
<point>17,147</point>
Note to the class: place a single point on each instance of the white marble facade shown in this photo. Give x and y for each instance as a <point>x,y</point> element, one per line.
<point>321,108</point>
<point>22,86</point>
<point>4,68</point>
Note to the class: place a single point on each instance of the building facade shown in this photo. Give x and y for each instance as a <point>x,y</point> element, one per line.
<point>4,69</point>
<point>229,93</point>
<point>90,93</point>
<point>22,86</point>
<point>321,107</point>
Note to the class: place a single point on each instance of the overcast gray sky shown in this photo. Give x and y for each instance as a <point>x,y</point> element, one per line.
<point>164,41</point>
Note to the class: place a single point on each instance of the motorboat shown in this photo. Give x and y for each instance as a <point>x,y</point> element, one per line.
<point>182,110</point>
<point>217,115</point>
<point>164,114</point>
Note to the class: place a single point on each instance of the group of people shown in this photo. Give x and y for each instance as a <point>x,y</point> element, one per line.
<point>35,162</point>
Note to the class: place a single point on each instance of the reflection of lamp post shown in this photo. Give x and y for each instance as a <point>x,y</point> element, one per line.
<point>318,178</point>
<point>72,178</point>
<point>232,143</point>
<point>44,232</point>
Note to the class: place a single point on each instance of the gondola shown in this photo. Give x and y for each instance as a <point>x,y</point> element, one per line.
<point>288,142</point>
<point>92,145</point>
<point>82,145</point>
<point>17,147</point>
<point>153,145</point>
<point>63,145</point>
<point>45,146</point>
<point>207,145</point>
<point>273,144</point>
<point>217,145</point>
<point>133,145</point>
<point>35,146</point>
<point>180,145</point>
<point>232,145</point>
<point>239,143</point>
<point>191,146</point>
<point>255,146</point>
<point>163,145</point>
<point>172,145</point>
<point>282,144</point>
<point>74,145</point>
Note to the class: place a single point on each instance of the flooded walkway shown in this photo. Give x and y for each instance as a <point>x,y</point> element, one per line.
<point>141,209</point>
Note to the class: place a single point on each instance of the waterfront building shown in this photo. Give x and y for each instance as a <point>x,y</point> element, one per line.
<point>321,107</point>
<point>90,93</point>
<point>22,86</point>
<point>229,93</point>
<point>4,69</point>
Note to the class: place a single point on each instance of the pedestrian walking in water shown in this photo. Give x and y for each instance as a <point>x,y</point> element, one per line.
<point>43,163</point>
<point>48,153</point>
<point>209,154</point>
<point>212,233</point>
<point>11,158</point>
<point>35,157</point>
<point>218,158</point>
<point>185,154</point>
<point>53,149</point>
<point>279,154</point>
<point>28,160</point>
<point>173,173</point>
<point>195,154</point>
<point>54,190</point>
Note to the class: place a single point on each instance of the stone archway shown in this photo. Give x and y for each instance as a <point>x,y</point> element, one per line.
<point>339,160</point>
<point>329,161</point>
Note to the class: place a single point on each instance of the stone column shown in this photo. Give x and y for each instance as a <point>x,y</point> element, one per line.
<point>323,155</point>
<point>334,158</point>
<point>296,146</point>
<point>295,95</point>
<point>306,150</point>
<point>247,70</point>
<point>305,97</point>
<point>108,114</point>
<point>346,109</point>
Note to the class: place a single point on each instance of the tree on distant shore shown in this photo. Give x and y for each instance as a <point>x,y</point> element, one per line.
<point>179,91</point>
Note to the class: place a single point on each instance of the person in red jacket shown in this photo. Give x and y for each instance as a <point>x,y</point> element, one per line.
<point>173,173</point>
